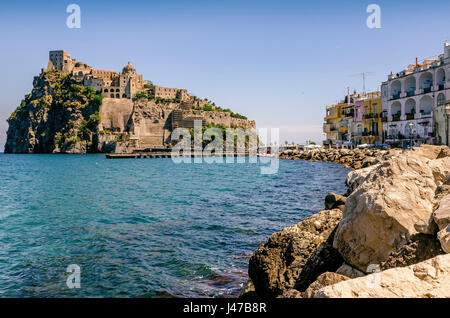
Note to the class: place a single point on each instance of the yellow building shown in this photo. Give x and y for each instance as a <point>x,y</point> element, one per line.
<point>335,125</point>
<point>373,127</point>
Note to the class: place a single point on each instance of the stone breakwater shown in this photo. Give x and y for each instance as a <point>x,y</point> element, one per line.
<point>351,158</point>
<point>389,237</point>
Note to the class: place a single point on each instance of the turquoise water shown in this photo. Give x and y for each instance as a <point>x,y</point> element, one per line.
<point>144,227</point>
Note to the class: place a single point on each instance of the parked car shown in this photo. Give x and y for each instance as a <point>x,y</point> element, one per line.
<point>382,147</point>
<point>366,146</point>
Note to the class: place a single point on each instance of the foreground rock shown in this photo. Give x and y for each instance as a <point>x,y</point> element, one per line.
<point>386,203</point>
<point>324,259</point>
<point>349,271</point>
<point>419,248</point>
<point>428,279</point>
<point>277,264</point>
<point>325,279</point>
<point>334,201</point>
<point>396,219</point>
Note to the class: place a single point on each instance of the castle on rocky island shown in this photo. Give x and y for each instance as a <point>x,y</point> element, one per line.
<point>112,84</point>
<point>75,108</point>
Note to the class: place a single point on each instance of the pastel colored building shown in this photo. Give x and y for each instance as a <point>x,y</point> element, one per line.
<point>410,97</point>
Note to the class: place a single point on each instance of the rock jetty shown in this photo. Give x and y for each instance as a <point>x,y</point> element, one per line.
<point>351,158</point>
<point>388,237</point>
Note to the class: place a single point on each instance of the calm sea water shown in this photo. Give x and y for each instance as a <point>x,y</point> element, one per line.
<point>145,227</point>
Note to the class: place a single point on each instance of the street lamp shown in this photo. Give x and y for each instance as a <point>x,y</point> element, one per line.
<point>411,125</point>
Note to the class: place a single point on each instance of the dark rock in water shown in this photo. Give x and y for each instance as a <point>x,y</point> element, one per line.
<point>218,280</point>
<point>419,248</point>
<point>278,263</point>
<point>248,292</point>
<point>324,259</point>
<point>323,280</point>
<point>334,201</point>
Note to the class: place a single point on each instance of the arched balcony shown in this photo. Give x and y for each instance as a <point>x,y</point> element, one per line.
<point>440,79</point>
<point>396,89</point>
<point>410,86</point>
<point>396,111</point>
<point>441,99</point>
<point>426,105</point>
<point>410,108</point>
<point>425,82</point>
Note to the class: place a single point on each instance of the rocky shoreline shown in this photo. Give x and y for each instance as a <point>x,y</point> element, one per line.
<point>389,236</point>
<point>351,158</point>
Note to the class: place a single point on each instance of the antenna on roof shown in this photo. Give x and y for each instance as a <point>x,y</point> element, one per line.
<point>364,75</point>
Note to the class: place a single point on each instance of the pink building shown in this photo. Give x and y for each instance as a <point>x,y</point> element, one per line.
<point>359,111</point>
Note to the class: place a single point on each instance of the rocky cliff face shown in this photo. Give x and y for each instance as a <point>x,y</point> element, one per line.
<point>58,116</point>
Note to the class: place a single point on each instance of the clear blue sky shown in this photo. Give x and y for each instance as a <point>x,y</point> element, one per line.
<point>278,62</point>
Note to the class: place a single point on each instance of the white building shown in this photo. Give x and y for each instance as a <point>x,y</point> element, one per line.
<point>442,124</point>
<point>410,96</point>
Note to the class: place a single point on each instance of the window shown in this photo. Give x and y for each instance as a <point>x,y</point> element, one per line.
<point>441,99</point>
<point>359,130</point>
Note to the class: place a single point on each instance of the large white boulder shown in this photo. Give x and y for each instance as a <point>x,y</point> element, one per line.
<point>387,200</point>
<point>428,279</point>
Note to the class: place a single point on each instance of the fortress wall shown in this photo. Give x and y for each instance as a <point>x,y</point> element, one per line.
<point>151,133</point>
<point>149,122</point>
<point>115,113</point>
<point>244,123</point>
<point>222,118</point>
<point>216,118</point>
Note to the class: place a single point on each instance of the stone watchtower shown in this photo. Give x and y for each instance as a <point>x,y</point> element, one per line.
<point>61,61</point>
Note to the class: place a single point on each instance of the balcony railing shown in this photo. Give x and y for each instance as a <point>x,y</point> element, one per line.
<point>369,133</point>
<point>395,117</point>
<point>410,93</point>
<point>410,116</point>
<point>427,90</point>
<point>396,96</point>
<point>441,87</point>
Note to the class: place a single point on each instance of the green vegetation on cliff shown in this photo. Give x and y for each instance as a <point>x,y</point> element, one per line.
<point>211,107</point>
<point>158,100</point>
<point>59,115</point>
<point>222,129</point>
